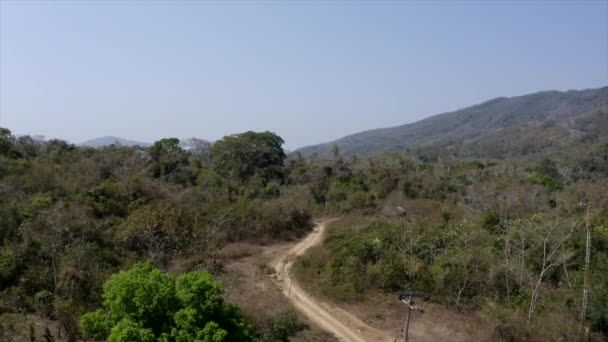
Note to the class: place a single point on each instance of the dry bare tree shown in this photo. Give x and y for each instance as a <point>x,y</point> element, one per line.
<point>540,245</point>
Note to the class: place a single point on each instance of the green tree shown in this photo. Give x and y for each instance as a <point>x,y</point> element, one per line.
<point>213,187</point>
<point>147,304</point>
<point>5,141</point>
<point>598,305</point>
<point>109,198</point>
<point>241,156</point>
<point>169,160</point>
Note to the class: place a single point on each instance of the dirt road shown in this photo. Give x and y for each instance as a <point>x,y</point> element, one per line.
<point>340,323</point>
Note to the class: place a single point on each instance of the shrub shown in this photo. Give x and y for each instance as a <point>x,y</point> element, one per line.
<point>280,327</point>
<point>146,304</point>
<point>547,181</point>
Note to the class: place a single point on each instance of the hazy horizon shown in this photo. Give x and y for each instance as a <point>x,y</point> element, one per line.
<point>311,72</point>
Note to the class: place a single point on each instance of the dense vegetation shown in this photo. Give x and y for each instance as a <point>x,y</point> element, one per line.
<point>72,216</point>
<point>507,237</point>
<point>503,235</point>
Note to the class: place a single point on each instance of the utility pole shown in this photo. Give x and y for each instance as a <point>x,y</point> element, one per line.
<point>408,299</point>
<point>587,270</point>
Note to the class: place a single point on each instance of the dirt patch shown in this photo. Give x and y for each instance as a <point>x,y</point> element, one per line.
<point>239,250</point>
<point>16,328</point>
<point>339,322</point>
<point>436,323</point>
<point>247,283</point>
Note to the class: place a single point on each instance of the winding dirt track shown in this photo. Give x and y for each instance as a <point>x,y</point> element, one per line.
<point>340,323</point>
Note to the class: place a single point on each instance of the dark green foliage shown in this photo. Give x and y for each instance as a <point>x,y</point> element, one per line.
<point>409,189</point>
<point>452,226</point>
<point>72,216</point>
<point>339,188</point>
<point>11,256</point>
<point>109,198</point>
<point>319,191</point>
<point>241,156</point>
<point>5,141</point>
<point>169,161</point>
<point>598,308</point>
<point>490,221</point>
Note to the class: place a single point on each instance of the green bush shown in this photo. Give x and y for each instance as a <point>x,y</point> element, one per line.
<point>598,301</point>
<point>37,204</point>
<point>240,156</point>
<point>273,190</point>
<point>146,304</point>
<point>109,198</point>
<point>490,221</point>
<point>547,181</point>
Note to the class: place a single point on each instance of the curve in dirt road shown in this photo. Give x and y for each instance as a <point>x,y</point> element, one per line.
<point>340,323</point>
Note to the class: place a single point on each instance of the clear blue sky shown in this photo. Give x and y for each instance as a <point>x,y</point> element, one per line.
<point>309,71</point>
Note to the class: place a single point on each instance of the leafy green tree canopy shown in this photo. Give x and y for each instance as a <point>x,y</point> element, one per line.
<point>5,140</point>
<point>147,304</point>
<point>240,156</point>
<point>168,159</point>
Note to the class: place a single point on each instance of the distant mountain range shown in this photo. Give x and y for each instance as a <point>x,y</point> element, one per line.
<point>499,127</point>
<point>109,140</point>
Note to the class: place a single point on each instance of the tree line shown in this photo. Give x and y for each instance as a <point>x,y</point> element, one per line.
<point>502,235</point>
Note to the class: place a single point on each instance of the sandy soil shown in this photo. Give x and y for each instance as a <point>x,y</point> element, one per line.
<point>247,283</point>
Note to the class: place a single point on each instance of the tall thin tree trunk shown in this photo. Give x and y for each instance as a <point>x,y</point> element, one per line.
<point>565,267</point>
<point>534,297</point>
<point>507,267</point>
<point>522,261</point>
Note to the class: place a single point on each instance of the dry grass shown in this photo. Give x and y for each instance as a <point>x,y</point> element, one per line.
<point>247,283</point>
<point>238,250</point>
<point>16,328</point>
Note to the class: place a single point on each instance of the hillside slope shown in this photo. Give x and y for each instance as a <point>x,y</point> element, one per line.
<point>109,140</point>
<point>550,113</point>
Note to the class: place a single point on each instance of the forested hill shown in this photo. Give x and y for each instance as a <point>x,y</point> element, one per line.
<point>524,120</point>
